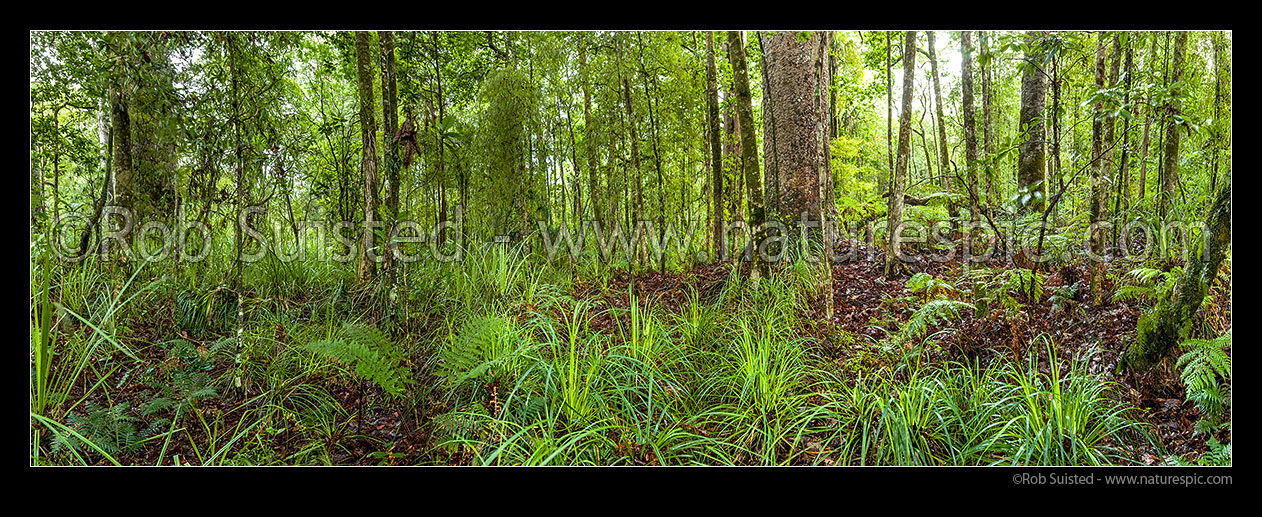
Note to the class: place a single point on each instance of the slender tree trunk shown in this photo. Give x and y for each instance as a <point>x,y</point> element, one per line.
<point>889,103</point>
<point>238,127</point>
<point>1170,159</point>
<point>749,148</point>
<point>970,131</point>
<point>363,54</point>
<point>1122,194</point>
<point>390,130</point>
<point>1148,119</point>
<point>589,139</point>
<point>635,159</point>
<point>86,237</point>
<point>988,146</point>
<point>716,147</point>
<point>944,162</point>
<point>898,184</point>
<point>1097,172</point>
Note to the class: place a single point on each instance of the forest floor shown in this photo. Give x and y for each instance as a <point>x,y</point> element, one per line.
<point>862,302</point>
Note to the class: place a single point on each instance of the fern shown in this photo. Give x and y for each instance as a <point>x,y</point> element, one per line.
<point>999,289</point>
<point>1147,284</point>
<point>110,428</point>
<point>479,348</point>
<point>1065,298</point>
<point>933,313</point>
<point>931,288</point>
<point>371,353</point>
<point>1204,366</point>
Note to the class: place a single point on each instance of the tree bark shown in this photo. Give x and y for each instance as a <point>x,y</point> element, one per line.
<point>1171,322</point>
<point>1148,119</point>
<point>944,157</point>
<point>593,174</point>
<point>1031,157</point>
<point>363,54</point>
<point>716,147</point>
<point>749,148</point>
<point>390,130</point>
<point>1099,133</point>
<point>796,112</point>
<point>1170,159</point>
<point>988,146</point>
<point>898,184</point>
<point>970,129</point>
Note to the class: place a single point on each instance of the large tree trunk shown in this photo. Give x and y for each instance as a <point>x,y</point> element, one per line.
<point>154,148</point>
<point>795,120</point>
<point>749,148</point>
<point>898,184</point>
<point>796,112</point>
<point>1172,320</point>
<point>716,147</point>
<point>363,54</point>
<point>1031,156</point>
<point>120,129</point>
<point>1170,159</point>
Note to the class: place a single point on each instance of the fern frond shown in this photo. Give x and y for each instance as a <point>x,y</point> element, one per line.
<point>933,313</point>
<point>1203,363</point>
<point>1132,292</point>
<point>370,352</point>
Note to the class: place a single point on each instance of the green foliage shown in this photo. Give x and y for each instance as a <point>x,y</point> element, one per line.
<point>1205,369</point>
<point>1148,284</point>
<point>931,288</point>
<point>1067,419</point>
<point>486,346</point>
<point>374,357</point>
<point>1003,290</point>
<point>111,429</point>
<point>1064,298</point>
<point>932,313</point>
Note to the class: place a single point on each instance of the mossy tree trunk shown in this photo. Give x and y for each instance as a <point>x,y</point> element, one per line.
<point>1172,321</point>
<point>1031,156</point>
